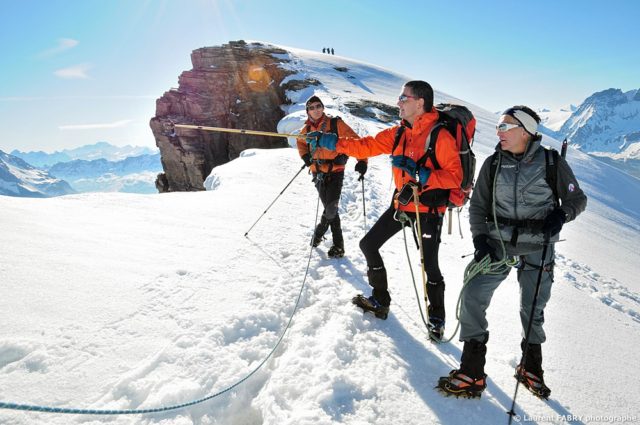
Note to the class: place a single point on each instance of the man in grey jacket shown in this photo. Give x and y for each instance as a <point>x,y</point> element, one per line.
<point>514,212</point>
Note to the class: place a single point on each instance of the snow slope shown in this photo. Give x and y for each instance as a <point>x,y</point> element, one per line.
<point>554,119</point>
<point>121,301</point>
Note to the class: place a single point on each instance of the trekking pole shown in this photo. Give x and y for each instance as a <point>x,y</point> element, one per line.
<point>511,412</point>
<point>563,150</point>
<point>238,130</point>
<point>274,201</point>
<point>424,274</point>
<point>364,206</point>
<point>450,221</point>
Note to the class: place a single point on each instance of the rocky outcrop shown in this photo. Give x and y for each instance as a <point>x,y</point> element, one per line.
<point>236,85</point>
<point>373,110</point>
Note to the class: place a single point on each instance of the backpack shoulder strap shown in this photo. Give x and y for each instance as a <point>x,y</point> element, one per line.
<point>396,140</point>
<point>333,125</point>
<point>430,147</point>
<point>551,166</point>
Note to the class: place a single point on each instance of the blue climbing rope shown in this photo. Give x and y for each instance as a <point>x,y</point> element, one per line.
<point>76,411</point>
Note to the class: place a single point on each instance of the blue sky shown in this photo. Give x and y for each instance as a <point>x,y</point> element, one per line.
<point>76,72</point>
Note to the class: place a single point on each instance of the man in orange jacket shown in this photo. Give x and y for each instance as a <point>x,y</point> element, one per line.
<point>407,143</point>
<point>327,168</point>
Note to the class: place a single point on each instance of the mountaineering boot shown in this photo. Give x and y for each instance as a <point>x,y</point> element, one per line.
<point>470,380</point>
<point>372,305</point>
<point>459,384</point>
<point>337,250</point>
<point>435,325</point>
<point>378,280</point>
<point>379,301</point>
<point>532,382</point>
<point>532,375</point>
<point>319,232</point>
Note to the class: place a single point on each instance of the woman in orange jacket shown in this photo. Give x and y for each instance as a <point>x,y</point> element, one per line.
<point>327,167</point>
<point>407,143</point>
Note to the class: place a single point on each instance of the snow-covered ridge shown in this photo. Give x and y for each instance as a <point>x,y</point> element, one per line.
<point>138,301</point>
<point>607,122</point>
<point>17,178</point>
<point>100,167</point>
<point>554,120</point>
<point>99,150</point>
<point>135,174</point>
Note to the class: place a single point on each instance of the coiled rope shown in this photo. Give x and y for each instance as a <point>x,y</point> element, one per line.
<point>77,411</point>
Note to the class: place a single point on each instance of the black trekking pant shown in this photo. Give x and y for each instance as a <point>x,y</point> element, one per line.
<point>384,229</point>
<point>329,186</point>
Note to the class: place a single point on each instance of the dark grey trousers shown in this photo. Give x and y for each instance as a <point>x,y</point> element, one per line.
<point>476,297</point>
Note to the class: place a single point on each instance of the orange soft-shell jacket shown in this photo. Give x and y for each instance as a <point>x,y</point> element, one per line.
<point>323,157</point>
<point>412,145</point>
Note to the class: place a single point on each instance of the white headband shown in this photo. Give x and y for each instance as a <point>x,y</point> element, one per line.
<point>528,122</point>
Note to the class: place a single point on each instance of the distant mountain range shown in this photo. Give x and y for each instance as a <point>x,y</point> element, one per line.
<point>135,174</point>
<point>606,122</point>
<point>17,178</point>
<point>100,167</point>
<point>606,125</point>
<point>100,150</point>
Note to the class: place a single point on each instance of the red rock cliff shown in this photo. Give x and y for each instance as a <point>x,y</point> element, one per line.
<point>237,85</point>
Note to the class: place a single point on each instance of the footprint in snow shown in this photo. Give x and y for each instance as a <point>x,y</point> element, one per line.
<point>609,291</point>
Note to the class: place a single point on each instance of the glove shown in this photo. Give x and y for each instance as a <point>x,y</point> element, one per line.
<point>404,163</point>
<point>553,222</point>
<point>361,167</point>
<point>340,159</point>
<point>407,164</point>
<point>423,175</point>
<point>323,140</point>
<point>481,244</point>
<point>306,158</point>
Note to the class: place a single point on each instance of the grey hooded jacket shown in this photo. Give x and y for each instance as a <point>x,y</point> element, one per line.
<point>522,193</point>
